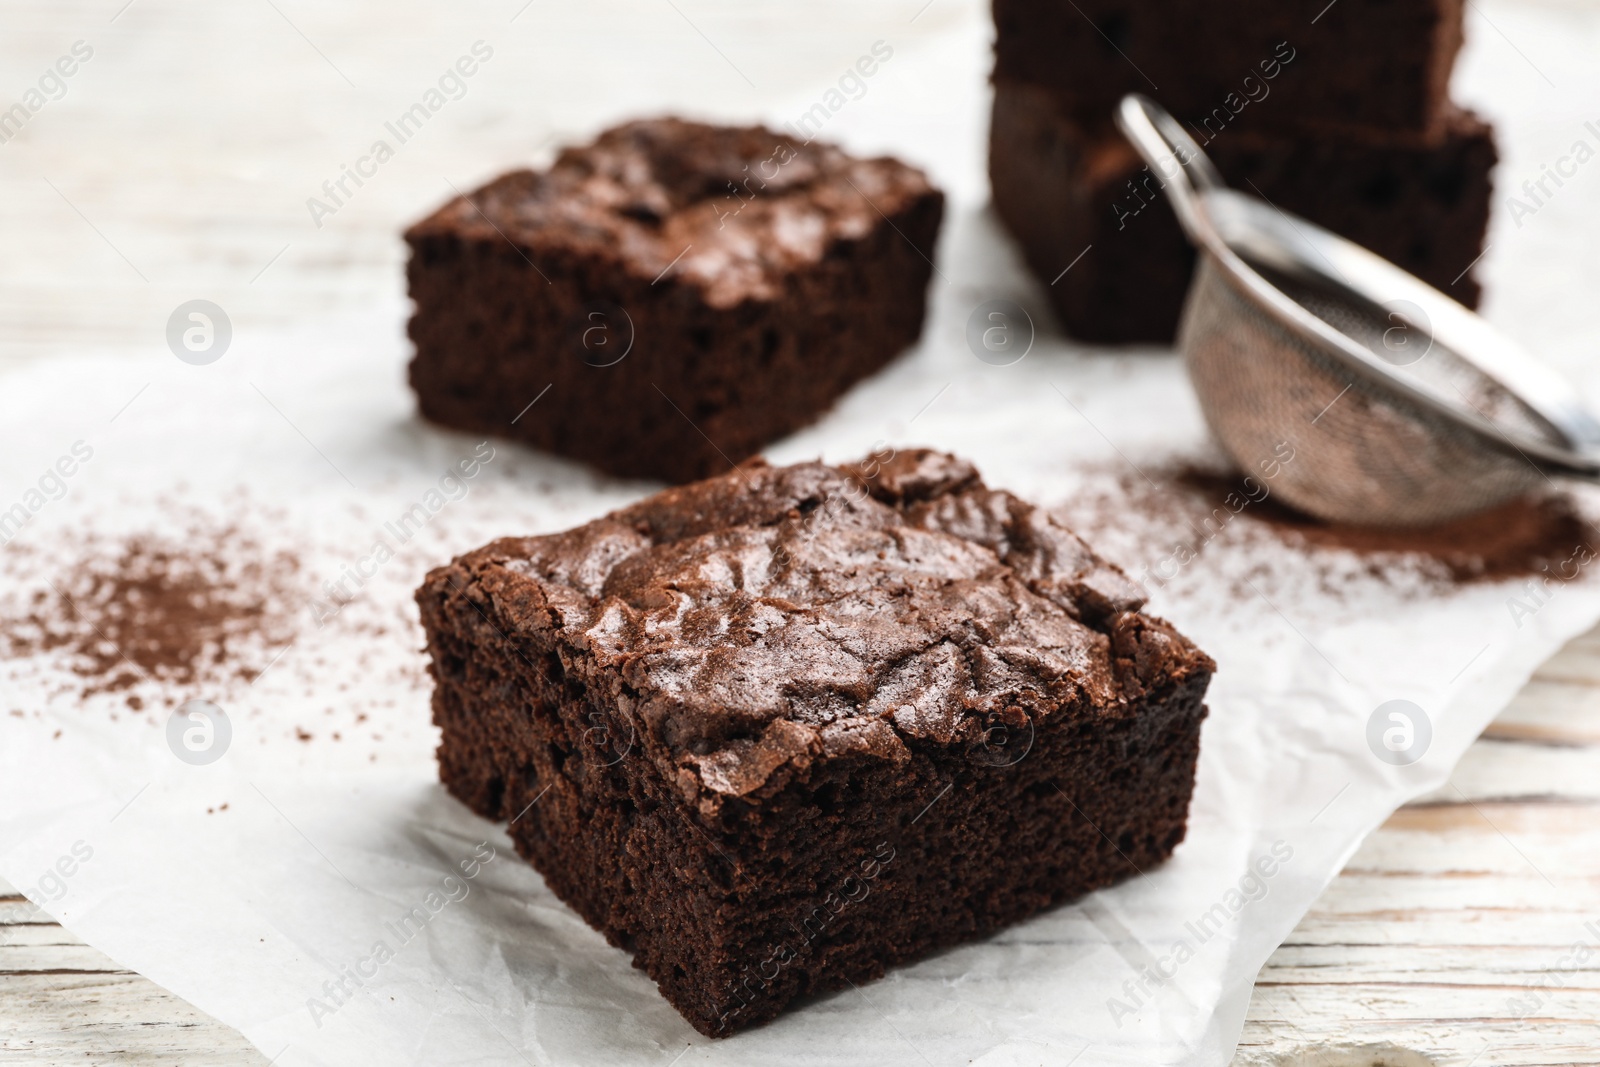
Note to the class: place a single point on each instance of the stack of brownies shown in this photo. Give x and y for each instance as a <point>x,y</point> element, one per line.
<point>1339,112</point>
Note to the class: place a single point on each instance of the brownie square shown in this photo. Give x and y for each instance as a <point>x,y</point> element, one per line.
<point>776,731</point>
<point>687,293</point>
<point>1061,186</point>
<point>1381,64</point>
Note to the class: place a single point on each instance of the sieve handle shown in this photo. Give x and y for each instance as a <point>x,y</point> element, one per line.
<point>1185,171</point>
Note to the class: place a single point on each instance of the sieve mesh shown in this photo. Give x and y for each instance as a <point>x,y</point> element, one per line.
<point>1359,451</point>
<point>1408,347</point>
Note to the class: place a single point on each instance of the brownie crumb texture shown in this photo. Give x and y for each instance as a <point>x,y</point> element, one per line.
<point>686,294</point>
<point>779,730</point>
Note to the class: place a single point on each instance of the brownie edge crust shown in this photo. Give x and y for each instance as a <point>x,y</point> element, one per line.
<point>774,732</point>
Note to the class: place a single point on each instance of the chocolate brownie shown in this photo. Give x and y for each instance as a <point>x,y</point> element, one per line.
<point>776,731</point>
<point>1061,186</point>
<point>1264,63</point>
<point>686,292</point>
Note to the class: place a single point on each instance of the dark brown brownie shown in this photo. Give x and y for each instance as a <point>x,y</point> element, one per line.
<point>1061,186</point>
<point>779,730</point>
<point>756,278</point>
<point>1381,64</point>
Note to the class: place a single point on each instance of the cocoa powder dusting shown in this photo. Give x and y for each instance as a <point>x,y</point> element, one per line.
<point>208,609</point>
<point>1163,523</point>
<point>1518,539</point>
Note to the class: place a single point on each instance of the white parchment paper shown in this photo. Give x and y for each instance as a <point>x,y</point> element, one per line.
<point>257,911</point>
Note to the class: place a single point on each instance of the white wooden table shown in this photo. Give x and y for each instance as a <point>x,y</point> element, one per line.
<point>177,165</point>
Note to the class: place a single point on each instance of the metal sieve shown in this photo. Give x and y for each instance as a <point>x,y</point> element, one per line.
<point>1401,407</point>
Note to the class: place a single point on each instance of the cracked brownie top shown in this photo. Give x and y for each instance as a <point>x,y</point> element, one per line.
<point>731,210</point>
<point>784,614</point>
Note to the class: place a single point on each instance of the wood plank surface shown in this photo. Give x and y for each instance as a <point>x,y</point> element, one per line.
<point>1449,938</point>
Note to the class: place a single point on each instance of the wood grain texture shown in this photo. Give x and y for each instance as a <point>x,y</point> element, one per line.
<point>64,1002</point>
<point>1466,931</point>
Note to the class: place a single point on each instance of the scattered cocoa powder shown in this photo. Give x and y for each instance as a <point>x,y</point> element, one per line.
<point>1166,521</point>
<point>210,607</point>
<point>1518,539</point>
